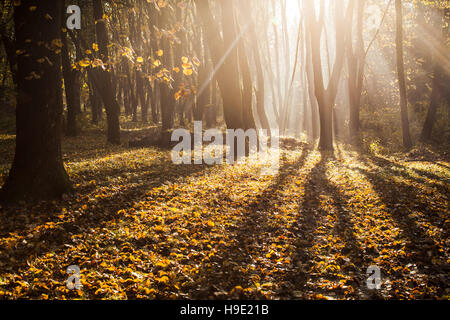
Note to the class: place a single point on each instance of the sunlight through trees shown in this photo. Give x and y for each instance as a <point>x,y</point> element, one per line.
<point>353,98</point>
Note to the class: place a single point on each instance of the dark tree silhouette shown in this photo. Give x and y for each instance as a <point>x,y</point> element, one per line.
<point>37,171</point>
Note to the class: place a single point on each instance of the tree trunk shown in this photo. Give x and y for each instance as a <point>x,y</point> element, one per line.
<point>326,97</point>
<point>407,143</point>
<point>277,78</point>
<point>72,89</point>
<point>286,105</point>
<point>103,80</point>
<point>228,71</point>
<point>95,102</point>
<point>10,50</point>
<point>247,89</point>
<point>356,64</point>
<point>434,104</point>
<point>167,92</point>
<point>260,91</point>
<point>437,83</point>
<point>37,171</point>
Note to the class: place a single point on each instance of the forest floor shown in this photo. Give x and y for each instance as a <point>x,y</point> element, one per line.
<point>139,226</point>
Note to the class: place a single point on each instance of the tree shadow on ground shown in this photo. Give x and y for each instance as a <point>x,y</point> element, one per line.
<point>311,214</point>
<point>247,238</point>
<point>420,246</point>
<point>46,240</point>
<point>388,165</point>
<point>403,191</point>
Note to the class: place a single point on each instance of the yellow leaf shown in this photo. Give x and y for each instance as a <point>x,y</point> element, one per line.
<point>163,279</point>
<point>84,63</point>
<point>162,3</point>
<point>196,61</point>
<point>161,264</point>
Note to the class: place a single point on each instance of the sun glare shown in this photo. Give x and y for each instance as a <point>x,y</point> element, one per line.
<point>292,10</point>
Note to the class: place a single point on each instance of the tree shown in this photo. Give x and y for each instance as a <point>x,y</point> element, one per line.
<point>247,87</point>
<point>326,96</point>
<point>255,48</point>
<point>437,82</point>
<point>6,37</point>
<point>407,142</point>
<point>228,69</point>
<point>103,82</point>
<point>167,92</point>
<point>356,62</point>
<point>71,86</point>
<point>37,171</point>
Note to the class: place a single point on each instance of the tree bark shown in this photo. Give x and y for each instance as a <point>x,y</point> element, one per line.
<point>407,142</point>
<point>167,92</point>
<point>37,171</point>
<point>260,90</point>
<point>437,83</point>
<point>356,63</point>
<point>103,80</point>
<point>326,97</point>
<point>72,89</point>
<point>228,72</point>
<point>247,87</point>
<point>434,104</point>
